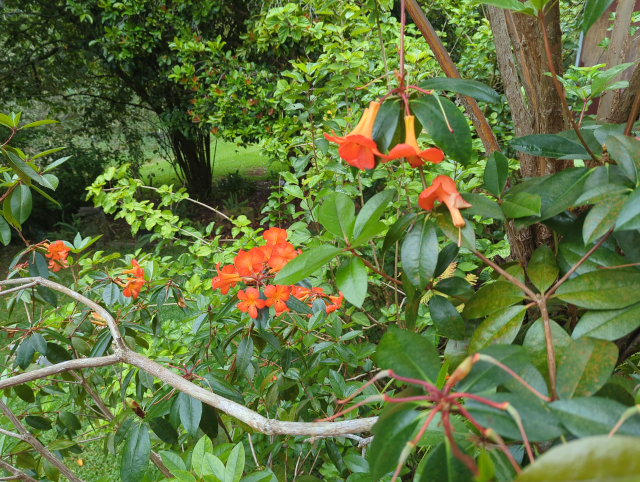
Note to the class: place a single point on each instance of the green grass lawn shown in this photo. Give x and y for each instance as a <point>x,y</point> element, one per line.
<point>229,157</point>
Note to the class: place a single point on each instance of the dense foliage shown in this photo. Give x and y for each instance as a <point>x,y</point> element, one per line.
<point>376,299</point>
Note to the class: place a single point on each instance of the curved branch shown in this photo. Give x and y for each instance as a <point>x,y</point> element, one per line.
<point>126,355</point>
<point>17,473</point>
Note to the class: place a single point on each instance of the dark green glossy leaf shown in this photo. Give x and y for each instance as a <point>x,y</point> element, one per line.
<point>223,388</point>
<point>442,465</point>
<point>466,235</point>
<point>492,298</point>
<point>499,328</point>
<point>446,318</point>
<point>445,258</point>
<point>521,205</point>
<point>453,286</point>
<point>337,214</point>
<point>397,230</point>
<point>164,430</point>
<point>586,416</point>
<point>25,392</point>
<point>535,344</point>
<point>601,218</point>
<point>482,206</point>
<point>625,150</point>
<point>57,354</point>
<point>5,231</point>
<point>496,173</point>
<point>611,459</point>
<point>608,289</point>
<point>37,422</point>
<point>209,421</point>
<point>470,88</point>
<point>245,352</point>
<point>306,263</point>
<point>386,123</point>
<point>25,353</point>
<point>585,366</point>
<point>351,280</point>
<point>39,343</point>
<point>21,203</point>
<point>38,266</point>
<point>136,453</point>
<point>408,354</point>
<point>190,413</point>
<point>609,324</point>
<point>542,268</point>
<point>549,145</point>
<point>419,253</point>
<point>103,342</point>
<point>629,215</point>
<point>484,375</point>
<point>372,210</point>
<point>600,193</point>
<point>111,294</point>
<point>69,420</point>
<point>593,10</point>
<point>456,144</point>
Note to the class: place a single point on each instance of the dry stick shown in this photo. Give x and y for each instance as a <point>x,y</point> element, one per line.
<point>18,474</point>
<point>19,288</point>
<point>635,109</point>
<point>483,128</point>
<point>552,70</point>
<point>26,436</point>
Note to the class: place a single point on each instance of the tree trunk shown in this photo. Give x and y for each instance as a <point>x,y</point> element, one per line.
<point>192,155</point>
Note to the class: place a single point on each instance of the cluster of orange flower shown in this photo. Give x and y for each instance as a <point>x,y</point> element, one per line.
<point>360,150</point>
<point>57,255</point>
<point>133,285</point>
<point>260,264</point>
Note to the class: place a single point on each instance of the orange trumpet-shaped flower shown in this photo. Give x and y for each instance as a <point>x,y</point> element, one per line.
<point>58,253</point>
<point>250,301</point>
<point>227,278</point>
<point>132,287</point>
<point>358,148</point>
<point>277,296</point>
<point>443,189</point>
<point>249,262</point>
<point>275,236</point>
<point>136,271</point>
<point>336,303</point>
<point>410,150</point>
<point>282,254</point>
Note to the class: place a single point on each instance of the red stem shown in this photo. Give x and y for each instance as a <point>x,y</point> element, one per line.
<point>428,386</point>
<point>468,461</point>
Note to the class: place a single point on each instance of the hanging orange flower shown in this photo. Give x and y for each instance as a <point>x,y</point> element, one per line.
<point>275,236</point>
<point>282,254</point>
<point>132,287</point>
<point>410,149</point>
<point>336,303</point>
<point>358,147</point>
<point>227,278</point>
<point>136,271</point>
<point>250,302</point>
<point>58,253</point>
<point>443,189</point>
<point>249,262</point>
<point>277,296</point>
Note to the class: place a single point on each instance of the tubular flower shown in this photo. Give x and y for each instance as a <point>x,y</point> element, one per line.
<point>132,287</point>
<point>443,189</point>
<point>358,148</point>
<point>250,302</point>
<point>57,254</point>
<point>227,278</point>
<point>249,262</point>
<point>410,150</point>
<point>336,303</point>
<point>275,236</point>
<point>136,271</point>
<point>277,296</point>
<point>282,254</point>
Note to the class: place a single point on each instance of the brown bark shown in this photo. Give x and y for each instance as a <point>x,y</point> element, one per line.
<point>622,105</point>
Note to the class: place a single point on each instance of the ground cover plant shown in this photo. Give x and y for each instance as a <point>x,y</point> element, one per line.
<point>371,328</point>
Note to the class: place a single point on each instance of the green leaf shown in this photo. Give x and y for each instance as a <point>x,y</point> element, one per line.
<point>456,144</point>
<point>496,173</point>
<point>26,172</point>
<point>408,355</point>
<point>370,231</point>
<point>606,289</point>
<point>173,461</point>
<point>57,354</point>
<point>386,123</point>
<point>351,280</point>
<point>5,231</point>
<point>25,392</point>
<point>601,218</point>
<point>442,465</point>
<point>203,447</point>
<point>209,421</point>
<point>466,234</point>
<point>608,325</point>
<point>492,298</point>
<point>102,343</point>
<point>586,416</point>
<point>521,205</point>
<point>213,466</point>
<point>391,433</point>
<point>470,88</point>
<point>164,430</point>
<point>37,422</point>
<point>593,10</point>
<point>535,344</point>
<point>21,203</point>
<point>550,145</point>
<point>111,294</point>
<point>611,459</point>
<point>482,206</point>
<point>306,264</point>
<point>484,375</point>
<point>245,352</point>
<point>46,153</point>
<point>625,150</point>
<point>600,193</point>
<point>500,328</point>
<point>38,266</point>
<point>446,318</point>
<point>6,121</point>
<point>39,343</point>
<point>419,253</point>
<point>69,420</point>
<point>55,163</point>
<point>397,230</point>
<point>39,123</point>
<point>235,464</point>
<point>585,366</point>
<point>453,286</point>
<point>337,214</point>
<point>629,215</point>
<point>190,413</point>
<point>25,353</point>
<point>542,268</point>
<point>372,210</point>
<point>513,5</point>
<point>136,453</point>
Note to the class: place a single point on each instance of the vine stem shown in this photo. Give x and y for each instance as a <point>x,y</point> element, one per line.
<point>556,82</point>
